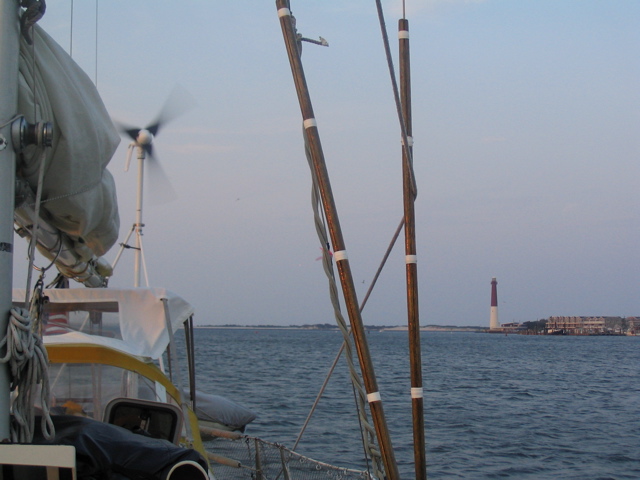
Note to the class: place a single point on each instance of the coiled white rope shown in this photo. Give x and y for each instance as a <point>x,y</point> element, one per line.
<point>28,362</point>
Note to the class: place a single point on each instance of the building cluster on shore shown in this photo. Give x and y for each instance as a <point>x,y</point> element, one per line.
<point>571,325</point>
<point>574,325</point>
<point>594,325</point>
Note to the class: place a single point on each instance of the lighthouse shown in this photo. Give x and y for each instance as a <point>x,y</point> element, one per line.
<point>493,321</point>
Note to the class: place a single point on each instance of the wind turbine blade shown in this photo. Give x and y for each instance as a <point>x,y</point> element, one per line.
<point>131,132</point>
<point>178,103</point>
<point>160,188</point>
<point>154,128</point>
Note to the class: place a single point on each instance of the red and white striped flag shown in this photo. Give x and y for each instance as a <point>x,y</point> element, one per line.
<point>56,324</point>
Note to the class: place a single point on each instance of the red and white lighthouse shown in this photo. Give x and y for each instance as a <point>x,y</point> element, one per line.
<point>493,321</point>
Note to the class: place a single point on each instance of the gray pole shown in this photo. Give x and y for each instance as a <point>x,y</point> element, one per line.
<point>9,52</point>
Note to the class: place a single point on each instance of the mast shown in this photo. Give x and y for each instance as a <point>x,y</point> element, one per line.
<point>340,254</point>
<point>138,226</point>
<point>9,52</point>
<point>409,195</point>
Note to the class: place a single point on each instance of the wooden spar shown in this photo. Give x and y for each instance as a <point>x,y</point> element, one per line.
<point>9,53</point>
<point>417,403</point>
<point>342,262</point>
<point>191,360</point>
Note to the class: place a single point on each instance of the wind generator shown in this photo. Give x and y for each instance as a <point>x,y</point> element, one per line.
<point>142,143</point>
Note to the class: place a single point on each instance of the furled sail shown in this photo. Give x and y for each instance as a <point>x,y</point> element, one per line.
<point>79,193</point>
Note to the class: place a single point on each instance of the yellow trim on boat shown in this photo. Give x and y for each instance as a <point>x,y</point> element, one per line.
<point>87,353</point>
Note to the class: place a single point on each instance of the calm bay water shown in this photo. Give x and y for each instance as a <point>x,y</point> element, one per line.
<point>496,406</point>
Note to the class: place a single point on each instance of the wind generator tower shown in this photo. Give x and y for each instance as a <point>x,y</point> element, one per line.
<point>493,322</point>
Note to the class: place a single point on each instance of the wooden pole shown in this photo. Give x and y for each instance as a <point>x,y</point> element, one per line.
<point>335,232</point>
<point>411,259</point>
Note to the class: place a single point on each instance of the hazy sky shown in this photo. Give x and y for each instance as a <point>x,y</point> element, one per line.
<point>526,120</point>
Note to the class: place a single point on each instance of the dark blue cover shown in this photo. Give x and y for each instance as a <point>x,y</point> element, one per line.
<point>109,452</point>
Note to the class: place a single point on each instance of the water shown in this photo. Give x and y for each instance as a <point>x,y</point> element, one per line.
<point>496,406</point>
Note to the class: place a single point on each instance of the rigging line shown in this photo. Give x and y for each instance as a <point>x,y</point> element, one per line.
<point>364,302</point>
<point>71,30</point>
<point>96,52</point>
<point>396,95</point>
<point>365,426</point>
<point>315,157</point>
<point>43,156</point>
<point>35,227</point>
<point>383,262</point>
<point>13,119</point>
<point>344,343</point>
<point>84,189</point>
<point>44,269</point>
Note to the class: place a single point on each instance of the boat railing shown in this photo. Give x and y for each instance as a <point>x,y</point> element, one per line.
<point>236,456</point>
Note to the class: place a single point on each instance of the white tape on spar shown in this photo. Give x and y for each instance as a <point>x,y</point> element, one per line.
<point>411,259</point>
<point>284,12</point>
<point>409,140</point>
<point>373,397</point>
<point>310,122</point>
<point>417,392</point>
<point>340,255</point>
<point>403,34</point>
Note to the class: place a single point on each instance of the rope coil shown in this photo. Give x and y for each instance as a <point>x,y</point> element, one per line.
<point>28,362</point>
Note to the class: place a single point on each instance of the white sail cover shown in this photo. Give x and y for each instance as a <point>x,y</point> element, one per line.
<point>136,325</point>
<point>79,194</point>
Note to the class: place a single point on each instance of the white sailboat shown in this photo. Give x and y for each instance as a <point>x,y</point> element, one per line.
<point>114,372</point>
<point>112,353</point>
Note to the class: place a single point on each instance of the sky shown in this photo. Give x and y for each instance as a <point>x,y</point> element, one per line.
<point>526,123</point>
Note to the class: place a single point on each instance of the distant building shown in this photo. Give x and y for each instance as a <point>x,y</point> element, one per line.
<point>512,327</point>
<point>589,325</point>
<point>633,325</point>
<point>508,328</point>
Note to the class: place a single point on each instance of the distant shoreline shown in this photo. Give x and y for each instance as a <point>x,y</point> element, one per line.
<point>388,328</point>
<point>397,328</point>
